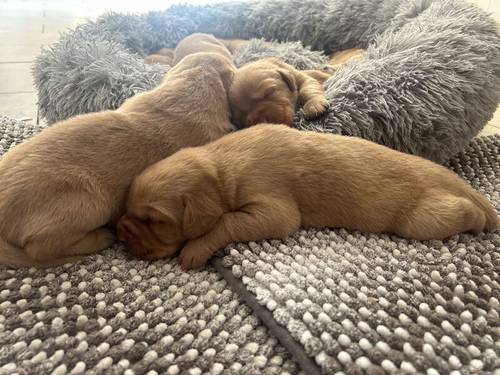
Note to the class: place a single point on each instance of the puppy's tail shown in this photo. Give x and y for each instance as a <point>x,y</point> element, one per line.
<point>480,201</point>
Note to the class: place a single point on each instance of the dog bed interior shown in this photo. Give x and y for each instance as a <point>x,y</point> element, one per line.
<point>428,83</point>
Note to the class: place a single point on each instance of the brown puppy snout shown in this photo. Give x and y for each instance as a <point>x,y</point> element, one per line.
<point>125,229</point>
<point>128,232</point>
<point>141,240</point>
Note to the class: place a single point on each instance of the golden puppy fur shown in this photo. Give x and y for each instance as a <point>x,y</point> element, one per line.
<point>199,42</point>
<point>269,180</point>
<point>63,186</point>
<point>268,90</point>
<point>320,75</point>
<point>195,43</point>
<point>234,45</point>
<point>164,56</point>
<point>340,58</point>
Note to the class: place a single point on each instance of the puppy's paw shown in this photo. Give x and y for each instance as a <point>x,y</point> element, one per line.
<point>193,256</point>
<point>315,107</point>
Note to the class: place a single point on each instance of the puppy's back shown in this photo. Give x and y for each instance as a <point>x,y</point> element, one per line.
<point>73,157</point>
<point>314,164</point>
<point>194,94</point>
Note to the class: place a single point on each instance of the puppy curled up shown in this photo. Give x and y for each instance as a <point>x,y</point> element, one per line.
<point>196,43</point>
<point>199,42</point>
<point>61,188</point>
<point>265,91</point>
<point>268,91</point>
<point>269,180</point>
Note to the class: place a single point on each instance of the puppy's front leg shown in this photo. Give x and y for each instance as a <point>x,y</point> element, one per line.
<point>318,75</point>
<point>267,218</point>
<point>311,95</point>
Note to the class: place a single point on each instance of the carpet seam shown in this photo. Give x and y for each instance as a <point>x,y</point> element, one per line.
<point>282,334</point>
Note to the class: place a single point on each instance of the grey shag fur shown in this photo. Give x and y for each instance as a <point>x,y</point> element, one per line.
<point>429,82</point>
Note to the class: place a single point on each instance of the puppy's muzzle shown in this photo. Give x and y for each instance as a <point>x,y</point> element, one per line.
<point>273,115</point>
<point>129,233</point>
<point>133,232</point>
<point>126,230</point>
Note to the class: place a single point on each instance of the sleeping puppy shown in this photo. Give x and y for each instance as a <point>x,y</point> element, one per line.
<point>62,187</point>
<point>270,180</point>
<point>268,90</point>
<point>194,43</point>
<point>199,42</point>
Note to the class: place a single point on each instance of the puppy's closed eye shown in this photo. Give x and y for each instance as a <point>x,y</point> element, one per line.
<point>265,88</point>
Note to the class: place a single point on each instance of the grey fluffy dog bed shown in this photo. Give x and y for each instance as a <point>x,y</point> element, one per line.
<point>429,82</point>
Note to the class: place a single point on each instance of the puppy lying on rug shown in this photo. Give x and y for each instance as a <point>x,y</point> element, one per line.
<point>61,188</point>
<point>269,180</point>
<point>268,90</point>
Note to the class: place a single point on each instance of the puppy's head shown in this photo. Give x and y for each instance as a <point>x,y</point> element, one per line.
<point>263,92</point>
<point>221,65</point>
<point>172,201</point>
<point>149,234</point>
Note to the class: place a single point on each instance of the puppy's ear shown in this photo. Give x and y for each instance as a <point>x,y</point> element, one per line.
<point>201,212</point>
<point>123,228</point>
<point>160,214</point>
<point>289,79</point>
<point>227,76</point>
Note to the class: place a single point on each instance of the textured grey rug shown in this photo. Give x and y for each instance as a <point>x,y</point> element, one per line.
<point>360,302</point>
<point>430,79</point>
<point>112,315</point>
<point>340,302</point>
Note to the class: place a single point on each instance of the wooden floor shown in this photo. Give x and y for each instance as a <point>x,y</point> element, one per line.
<point>28,25</point>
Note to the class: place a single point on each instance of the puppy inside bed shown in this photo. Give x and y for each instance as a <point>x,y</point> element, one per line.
<point>267,90</point>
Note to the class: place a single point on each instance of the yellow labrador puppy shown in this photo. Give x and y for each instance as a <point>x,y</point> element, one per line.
<point>59,189</point>
<point>269,180</point>
<point>268,91</point>
<point>195,43</point>
<point>200,42</point>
